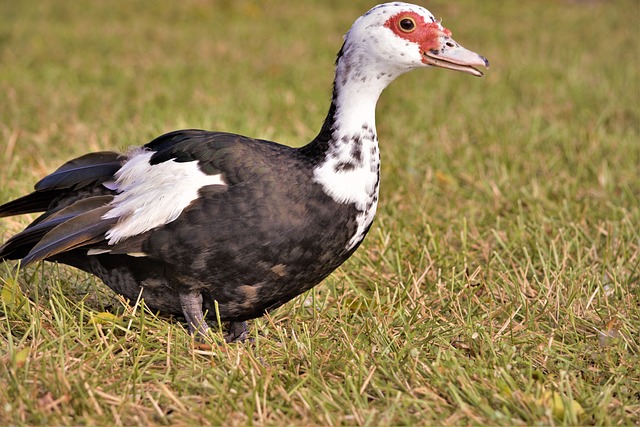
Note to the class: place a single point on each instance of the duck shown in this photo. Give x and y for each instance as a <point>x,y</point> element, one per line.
<point>217,227</point>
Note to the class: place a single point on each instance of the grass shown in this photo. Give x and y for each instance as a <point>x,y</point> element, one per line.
<point>500,283</point>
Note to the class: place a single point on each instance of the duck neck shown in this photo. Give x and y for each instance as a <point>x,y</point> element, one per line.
<point>345,153</point>
<point>353,104</point>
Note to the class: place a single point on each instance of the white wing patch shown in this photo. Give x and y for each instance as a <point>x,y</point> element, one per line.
<point>153,195</point>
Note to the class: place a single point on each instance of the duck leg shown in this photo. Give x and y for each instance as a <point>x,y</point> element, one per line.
<point>237,331</point>
<point>191,304</point>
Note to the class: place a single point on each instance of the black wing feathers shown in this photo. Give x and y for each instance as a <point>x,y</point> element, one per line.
<point>192,145</point>
<point>73,201</point>
<point>90,168</point>
<point>216,152</point>
<point>40,235</point>
<point>81,230</point>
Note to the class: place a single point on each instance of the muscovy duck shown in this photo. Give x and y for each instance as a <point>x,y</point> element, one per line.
<point>211,222</point>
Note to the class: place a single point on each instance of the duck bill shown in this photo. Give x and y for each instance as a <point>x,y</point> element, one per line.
<point>456,58</point>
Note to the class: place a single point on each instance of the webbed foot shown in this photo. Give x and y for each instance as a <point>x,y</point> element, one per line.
<point>237,332</point>
<point>191,304</point>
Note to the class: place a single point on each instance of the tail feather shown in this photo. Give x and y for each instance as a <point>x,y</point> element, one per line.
<point>38,201</point>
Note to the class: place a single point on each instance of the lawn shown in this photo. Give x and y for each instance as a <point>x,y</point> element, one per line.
<point>500,283</point>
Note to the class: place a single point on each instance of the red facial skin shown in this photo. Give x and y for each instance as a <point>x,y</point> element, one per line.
<point>425,34</point>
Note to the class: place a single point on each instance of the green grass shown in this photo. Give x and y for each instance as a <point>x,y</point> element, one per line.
<point>500,283</point>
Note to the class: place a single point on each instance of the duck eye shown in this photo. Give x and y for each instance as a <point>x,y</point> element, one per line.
<point>407,25</point>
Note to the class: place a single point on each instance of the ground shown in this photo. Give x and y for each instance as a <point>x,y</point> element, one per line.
<point>500,281</point>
